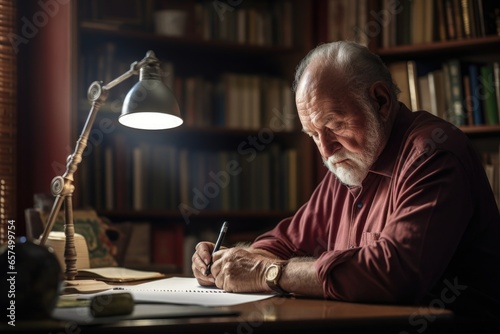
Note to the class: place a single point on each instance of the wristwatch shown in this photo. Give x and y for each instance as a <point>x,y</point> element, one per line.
<point>273,274</point>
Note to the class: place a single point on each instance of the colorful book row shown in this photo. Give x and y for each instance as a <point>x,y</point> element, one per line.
<point>464,93</point>
<point>409,22</point>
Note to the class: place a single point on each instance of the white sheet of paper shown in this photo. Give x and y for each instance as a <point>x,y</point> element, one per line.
<point>185,291</point>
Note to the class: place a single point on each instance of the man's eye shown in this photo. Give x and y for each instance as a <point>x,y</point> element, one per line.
<point>338,127</point>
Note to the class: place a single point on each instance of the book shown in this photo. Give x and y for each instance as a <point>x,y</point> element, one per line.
<point>496,77</point>
<point>424,95</point>
<point>465,8</point>
<point>399,72</point>
<point>138,252</point>
<point>418,21</point>
<point>404,23</point>
<point>389,29</point>
<point>489,95</point>
<point>413,85</point>
<point>167,245</point>
<point>458,18</point>
<point>437,93</point>
<point>119,172</point>
<point>159,178</point>
<point>468,100</point>
<point>457,114</point>
<point>139,180</point>
<point>477,109</point>
<point>117,274</point>
<point>108,178</point>
<point>362,35</point>
<point>450,20</point>
<point>429,21</point>
<point>84,286</point>
<point>102,25</point>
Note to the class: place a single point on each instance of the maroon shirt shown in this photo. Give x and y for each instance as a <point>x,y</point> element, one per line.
<point>423,226</point>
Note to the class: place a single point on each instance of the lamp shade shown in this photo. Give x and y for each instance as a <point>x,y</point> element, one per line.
<point>150,104</point>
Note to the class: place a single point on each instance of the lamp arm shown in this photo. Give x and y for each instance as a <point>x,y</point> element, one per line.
<point>132,71</point>
<point>148,60</point>
<point>62,186</point>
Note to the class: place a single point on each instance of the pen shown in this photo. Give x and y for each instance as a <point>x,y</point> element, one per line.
<point>220,239</point>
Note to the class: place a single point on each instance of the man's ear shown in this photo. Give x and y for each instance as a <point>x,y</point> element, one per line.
<point>379,92</point>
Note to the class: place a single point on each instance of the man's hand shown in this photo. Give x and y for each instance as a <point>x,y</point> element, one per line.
<point>241,269</point>
<point>200,260</point>
<point>233,269</point>
<point>238,270</point>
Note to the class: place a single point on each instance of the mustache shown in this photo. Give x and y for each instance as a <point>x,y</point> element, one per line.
<point>338,157</point>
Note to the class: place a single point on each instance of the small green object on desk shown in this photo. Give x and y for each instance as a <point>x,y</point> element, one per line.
<point>108,305</point>
<point>105,305</point>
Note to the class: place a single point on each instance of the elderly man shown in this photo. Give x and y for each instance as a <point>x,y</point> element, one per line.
<point>405,216</point>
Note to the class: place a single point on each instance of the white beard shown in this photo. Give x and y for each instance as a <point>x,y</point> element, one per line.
<point>352,172</point>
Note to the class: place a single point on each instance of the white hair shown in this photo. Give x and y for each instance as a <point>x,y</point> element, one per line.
<point>359,67</point>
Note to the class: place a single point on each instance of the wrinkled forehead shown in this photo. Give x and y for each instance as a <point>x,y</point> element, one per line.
<point>315,111</point>
<point>319,80</point>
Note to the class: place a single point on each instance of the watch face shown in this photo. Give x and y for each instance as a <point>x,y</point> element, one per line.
<point>272,272</point>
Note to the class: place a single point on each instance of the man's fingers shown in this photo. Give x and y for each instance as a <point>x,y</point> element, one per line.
<point>204,250</point>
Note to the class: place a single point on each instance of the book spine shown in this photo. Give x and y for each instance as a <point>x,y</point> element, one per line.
<point>477,108</point>
<point>468,100</point>
<point>496,75</point>
<point>490,103</point>
<point>168,245</point>
<point>457,111</point>
<point>413,85</point>
<point>137,179</point>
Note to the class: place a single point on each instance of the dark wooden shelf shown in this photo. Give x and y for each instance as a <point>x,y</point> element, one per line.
<point>186,43</point>
<point>469,46</point>
<point>481,129</point>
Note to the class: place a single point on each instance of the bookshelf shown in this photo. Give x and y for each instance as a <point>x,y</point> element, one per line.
<point>93,38</point>
<point>432,48</point>
<point>239,156</point>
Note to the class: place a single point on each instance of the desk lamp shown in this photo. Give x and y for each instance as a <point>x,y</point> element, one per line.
<point>149,105</point>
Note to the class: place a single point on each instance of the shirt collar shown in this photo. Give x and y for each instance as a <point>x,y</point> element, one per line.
<point>384,164</point>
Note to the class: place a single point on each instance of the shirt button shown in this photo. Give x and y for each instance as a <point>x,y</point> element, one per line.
<point>359,205</point>
<point>351,247</point>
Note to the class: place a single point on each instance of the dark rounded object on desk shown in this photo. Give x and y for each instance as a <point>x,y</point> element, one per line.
<point>30,280</point>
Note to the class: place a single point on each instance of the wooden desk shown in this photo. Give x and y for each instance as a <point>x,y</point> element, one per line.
<point>287,315</point>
